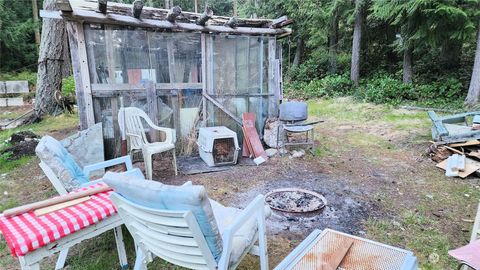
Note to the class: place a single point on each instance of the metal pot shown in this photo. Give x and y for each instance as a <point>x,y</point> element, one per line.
<point>293,111</point>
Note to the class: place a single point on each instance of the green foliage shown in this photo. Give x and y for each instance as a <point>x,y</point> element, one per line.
<point>329,86</point>
<point>17,41</point>
<point>448,91</point>
<point>68,86</point>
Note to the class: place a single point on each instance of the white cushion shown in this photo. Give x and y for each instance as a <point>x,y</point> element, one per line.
<point>244,237</point>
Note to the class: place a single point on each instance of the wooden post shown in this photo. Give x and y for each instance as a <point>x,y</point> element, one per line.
<point>137,8</point>
<point>175,100</point>
<point>232,22</point>
<point>113,99</point>
<point>102,6</point>
<point>173,14</point>
<point>202,20</point>
<point>272,79</point>
<point>203,41</point>
<point>81,74</point>
<point>152,107</point>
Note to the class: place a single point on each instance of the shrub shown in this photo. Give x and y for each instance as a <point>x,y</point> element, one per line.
<point>329,86</point>
<point>385,89</point>
<point>68,86</point>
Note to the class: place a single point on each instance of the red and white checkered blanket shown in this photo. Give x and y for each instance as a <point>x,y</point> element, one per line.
<point>27,232</point>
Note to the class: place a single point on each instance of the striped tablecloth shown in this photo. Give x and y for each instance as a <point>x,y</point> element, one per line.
<point>27,232</point>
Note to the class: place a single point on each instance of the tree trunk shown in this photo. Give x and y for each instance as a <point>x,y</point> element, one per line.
<point>298,53</point>
<point>474,89</point>
<point>407,66</point>
<point>332,43</point>
<point>53,64</point>
<point>356,44</point>
<point>35,21</point>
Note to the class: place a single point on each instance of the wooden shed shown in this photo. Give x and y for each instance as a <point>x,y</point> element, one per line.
<point>184,69</point>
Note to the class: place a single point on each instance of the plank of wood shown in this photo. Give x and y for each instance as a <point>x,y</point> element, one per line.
<point>252,135</point>
<point>68,197</point>
<point>470,167</point>
<point>469,143</point>
<point>55,207</point>
<point>335,257</point>
<point>247,146</point>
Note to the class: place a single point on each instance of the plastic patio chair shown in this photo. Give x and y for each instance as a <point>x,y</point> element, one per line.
<point>177,236</point>
<point>65,175</point>
<point>468,255</point>
<point>130,122</point>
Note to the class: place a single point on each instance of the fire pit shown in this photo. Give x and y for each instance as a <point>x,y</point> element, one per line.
<point>295,201</point>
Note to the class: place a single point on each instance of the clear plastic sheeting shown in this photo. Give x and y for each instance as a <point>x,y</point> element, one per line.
<point>118,55</point>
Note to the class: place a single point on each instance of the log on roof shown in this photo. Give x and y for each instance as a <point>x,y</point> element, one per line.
<point>87,10</point>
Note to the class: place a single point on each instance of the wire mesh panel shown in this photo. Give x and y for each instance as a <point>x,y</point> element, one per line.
<point>362,255</point>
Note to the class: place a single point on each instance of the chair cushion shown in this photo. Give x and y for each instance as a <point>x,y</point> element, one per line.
<point>52,153</point>
<point>243,238</point>
<point>156,195</point>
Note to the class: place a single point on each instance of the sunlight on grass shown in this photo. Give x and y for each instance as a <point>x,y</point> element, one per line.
<point>49,124</point>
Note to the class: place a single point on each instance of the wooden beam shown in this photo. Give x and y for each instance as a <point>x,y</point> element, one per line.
<point>95,17</point>
<point>225,110</point>
<point>137,8</point>
<point>160,86</point>
<point>102,6</point>
<point>173,14</point>
<point>207,15</point>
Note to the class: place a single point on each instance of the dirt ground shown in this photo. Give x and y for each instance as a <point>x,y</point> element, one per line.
<point>369,163</point>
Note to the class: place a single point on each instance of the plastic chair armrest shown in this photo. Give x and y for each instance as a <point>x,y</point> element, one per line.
<point>255,208</point>
<point>108,163</point>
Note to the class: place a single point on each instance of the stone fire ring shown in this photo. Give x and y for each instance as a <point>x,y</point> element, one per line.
<point>323,201</point>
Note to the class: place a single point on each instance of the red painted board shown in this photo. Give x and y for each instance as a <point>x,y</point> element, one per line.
<point>252,135</point>
<point>247,147</point>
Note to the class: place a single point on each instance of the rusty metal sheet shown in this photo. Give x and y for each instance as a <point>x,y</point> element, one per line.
<point>362,255</point>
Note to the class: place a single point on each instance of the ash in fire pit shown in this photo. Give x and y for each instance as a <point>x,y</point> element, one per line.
<point>295,201</point>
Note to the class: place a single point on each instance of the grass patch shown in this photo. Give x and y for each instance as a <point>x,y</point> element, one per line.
<point>369,140</point>
<point>47,125</point>
<point>416,232</point>
<point>9,165</point>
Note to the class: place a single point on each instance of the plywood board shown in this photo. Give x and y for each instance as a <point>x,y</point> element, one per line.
<point>252,135</point>
<point>469,143</point>
<point>52,208</point>
<point>325,259</point>
<point>470,167</point>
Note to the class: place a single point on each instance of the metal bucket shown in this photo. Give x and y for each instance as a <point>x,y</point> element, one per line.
<point>293,111</point>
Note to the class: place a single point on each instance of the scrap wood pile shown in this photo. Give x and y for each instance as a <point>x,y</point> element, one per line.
<point>456,145</point>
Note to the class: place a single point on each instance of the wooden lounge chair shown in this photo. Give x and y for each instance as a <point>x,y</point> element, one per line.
<point>65,175</point>
<point>130,122</point>
<point>182,226</point>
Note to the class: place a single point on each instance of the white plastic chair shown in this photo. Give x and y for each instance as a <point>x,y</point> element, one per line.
<point>58,181</point>
<point>130,122</point>
<point>176,237</point>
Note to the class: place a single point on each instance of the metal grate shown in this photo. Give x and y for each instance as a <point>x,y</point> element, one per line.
<point>362,255</point>
<point>224,151</point>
